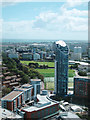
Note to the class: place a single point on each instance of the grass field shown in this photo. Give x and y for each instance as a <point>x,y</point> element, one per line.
<point>46,72</point>
<point>71,73</point>
<point>50,64</point>
<point>50,72</point>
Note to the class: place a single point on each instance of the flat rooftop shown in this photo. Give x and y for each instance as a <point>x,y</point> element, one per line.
<point>26,85</point>
<point>35,79</point>
<point>20,89</point>
<point>81,63</point>
<point>8,77</point>
<point>12,95</point>
<point>43,102</point>
<point>83,77</point>
<point>4,113</point>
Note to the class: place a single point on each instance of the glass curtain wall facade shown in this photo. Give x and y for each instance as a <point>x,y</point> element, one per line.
<point>61,68</point>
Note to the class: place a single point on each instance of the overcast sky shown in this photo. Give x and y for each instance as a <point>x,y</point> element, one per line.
<point>45,20</point>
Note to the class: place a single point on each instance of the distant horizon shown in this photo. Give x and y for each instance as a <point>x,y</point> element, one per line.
<point>38,40</point>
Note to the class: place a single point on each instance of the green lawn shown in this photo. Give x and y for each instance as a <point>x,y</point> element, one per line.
<point>50,64</point>
<point>71,73</point>
<point>50,72</point>
<point>46,72</point>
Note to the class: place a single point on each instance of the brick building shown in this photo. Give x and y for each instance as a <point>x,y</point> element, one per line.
<point>12,101</point>
<point>43,109</point>
<point>81,86</point>
<point>27,101</point>
<point>18,97</point>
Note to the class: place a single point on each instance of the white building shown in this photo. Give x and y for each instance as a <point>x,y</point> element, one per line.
<point>13,55</point>
<point>36,56</point>
<point>76,108</point>
<point>36,85</point>
<point>77,50</point>
<point>27,92</point>
<point>77,55</point>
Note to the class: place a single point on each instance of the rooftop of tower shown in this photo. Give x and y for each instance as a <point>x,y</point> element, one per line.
<point>62,43</point>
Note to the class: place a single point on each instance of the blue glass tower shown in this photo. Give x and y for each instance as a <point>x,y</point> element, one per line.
<point>61,68</point>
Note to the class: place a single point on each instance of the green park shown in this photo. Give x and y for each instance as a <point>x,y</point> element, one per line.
<point>50,71</point>
<point>49,74</point>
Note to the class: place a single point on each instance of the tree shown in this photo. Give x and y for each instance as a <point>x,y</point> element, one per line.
<point>75,66</point>
<point>82,73</point>
<point>5,90</point>
<point>16,60</point>
<point>25,69</point>
<point>33,65</point>
<point>25,79</point>
<point>21,73</point>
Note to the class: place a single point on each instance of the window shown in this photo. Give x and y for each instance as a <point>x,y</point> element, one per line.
<point>14,105</point>
<point>4,104</point>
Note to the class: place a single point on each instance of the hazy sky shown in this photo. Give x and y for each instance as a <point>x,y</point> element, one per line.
<point>45,20</point>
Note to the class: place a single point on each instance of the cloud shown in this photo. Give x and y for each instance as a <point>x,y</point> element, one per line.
<point>72,20</point>
<point>73,3</point>
<point>17,27</point>
<point>68,20</point>
<point>75,12</point>
<point>50,23</point>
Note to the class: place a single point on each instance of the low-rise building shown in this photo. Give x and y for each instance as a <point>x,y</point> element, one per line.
<point>13,55</point>
<point>27,101</point>
<point>27,56</point>
<point>36,56</point>
<point>12,101</point>
<point>43,109</point>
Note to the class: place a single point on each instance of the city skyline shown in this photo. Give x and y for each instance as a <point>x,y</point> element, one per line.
<point>45,20</point>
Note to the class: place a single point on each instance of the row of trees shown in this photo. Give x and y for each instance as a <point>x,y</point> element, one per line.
<point>36,65</point>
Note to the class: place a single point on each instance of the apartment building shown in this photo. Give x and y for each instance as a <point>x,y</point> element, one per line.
<point>13,100</point>
<point>81,86</point>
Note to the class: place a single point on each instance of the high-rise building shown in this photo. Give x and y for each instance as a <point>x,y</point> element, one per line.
<point>77,53</point>
<point>88,52</point>
<point>61,68</point>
